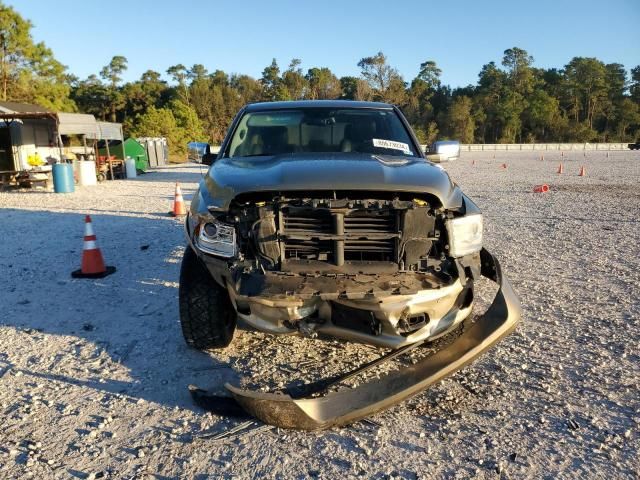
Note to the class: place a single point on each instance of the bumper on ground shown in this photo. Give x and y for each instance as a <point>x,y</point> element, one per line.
<point>349,405</point>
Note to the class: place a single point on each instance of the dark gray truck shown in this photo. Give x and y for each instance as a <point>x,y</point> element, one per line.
<point>325,218</point>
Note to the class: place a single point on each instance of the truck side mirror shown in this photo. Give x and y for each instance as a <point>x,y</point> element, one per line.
<point>208,158</point>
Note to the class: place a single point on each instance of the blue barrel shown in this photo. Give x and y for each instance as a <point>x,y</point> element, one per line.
<point>63,178</point>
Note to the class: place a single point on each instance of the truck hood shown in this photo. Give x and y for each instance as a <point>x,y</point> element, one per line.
<point>229,177</point>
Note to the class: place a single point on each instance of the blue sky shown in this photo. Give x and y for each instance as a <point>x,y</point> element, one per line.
<point>243,36</point>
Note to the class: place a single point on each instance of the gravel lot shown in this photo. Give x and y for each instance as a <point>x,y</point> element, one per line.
<point>94,373</point>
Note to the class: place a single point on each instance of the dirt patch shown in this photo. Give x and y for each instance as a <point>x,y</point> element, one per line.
<point>615,190</point>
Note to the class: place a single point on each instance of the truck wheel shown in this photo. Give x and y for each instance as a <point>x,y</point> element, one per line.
<point>207,316</point>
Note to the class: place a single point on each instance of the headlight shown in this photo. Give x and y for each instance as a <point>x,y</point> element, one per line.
<point>465,235</point>
<point>217,239</point>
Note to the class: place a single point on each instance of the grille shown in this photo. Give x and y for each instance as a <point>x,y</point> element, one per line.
<point>315,234</point>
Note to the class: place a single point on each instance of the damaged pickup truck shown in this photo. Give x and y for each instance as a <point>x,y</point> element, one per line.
<point>325,218</point>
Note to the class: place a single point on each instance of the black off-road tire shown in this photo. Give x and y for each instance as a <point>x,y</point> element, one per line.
<point>207,316</point>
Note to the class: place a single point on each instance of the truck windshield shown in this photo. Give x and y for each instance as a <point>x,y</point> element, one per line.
<point>320,130</point>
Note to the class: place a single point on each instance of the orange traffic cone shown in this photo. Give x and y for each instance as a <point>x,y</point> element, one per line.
<point>583,171</point>
<point>561,169</point>
<point>504,165</point>
<point>541,188</point>
<point>178,203</point>
<point>92,261</point>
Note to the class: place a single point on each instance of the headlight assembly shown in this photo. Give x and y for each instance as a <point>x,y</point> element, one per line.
<point>217,238</point>
<point>465,235</point>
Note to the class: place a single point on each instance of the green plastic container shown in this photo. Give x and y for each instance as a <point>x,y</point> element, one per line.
<point>131,149</point>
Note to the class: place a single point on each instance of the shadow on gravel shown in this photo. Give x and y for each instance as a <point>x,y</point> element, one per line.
<point>191,173</point>
<point>119,334</point>
<point>102,211</point>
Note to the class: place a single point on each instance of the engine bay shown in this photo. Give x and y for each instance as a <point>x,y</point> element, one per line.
<point>340,233</point>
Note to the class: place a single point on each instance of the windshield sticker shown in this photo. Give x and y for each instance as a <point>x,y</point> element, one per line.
<point>404,147</point>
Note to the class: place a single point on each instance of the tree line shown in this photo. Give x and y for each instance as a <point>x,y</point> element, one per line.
<point>514,102</point>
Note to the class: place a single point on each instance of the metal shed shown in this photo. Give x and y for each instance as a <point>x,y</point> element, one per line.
<point>108,131</point>
<point>30,129</point>
<point>25,129</point>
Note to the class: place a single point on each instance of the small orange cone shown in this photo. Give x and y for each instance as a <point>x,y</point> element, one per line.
<point>179,208</point>
<point>92,261</point>
<point>541,188</point>
<point>504,165</point>
<point>560,169</point>
<point>583,172</point>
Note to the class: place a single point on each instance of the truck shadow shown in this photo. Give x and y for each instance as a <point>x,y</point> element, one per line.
<point>120,334</point>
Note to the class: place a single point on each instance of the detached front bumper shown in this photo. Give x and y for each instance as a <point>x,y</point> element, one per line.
<point>349,405</point>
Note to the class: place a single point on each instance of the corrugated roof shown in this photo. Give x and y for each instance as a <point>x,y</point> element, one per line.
<point>110,131</point>
<point>15,107</point>
<point>77,124</point>
<point>68,123</point>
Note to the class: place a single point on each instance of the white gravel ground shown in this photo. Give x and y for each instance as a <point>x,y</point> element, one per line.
<point>94,373</point>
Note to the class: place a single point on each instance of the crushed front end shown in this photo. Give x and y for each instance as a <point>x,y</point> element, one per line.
<point>374,267</point>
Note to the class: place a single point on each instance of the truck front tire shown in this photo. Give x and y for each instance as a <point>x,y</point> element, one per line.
<point>207,316</point>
